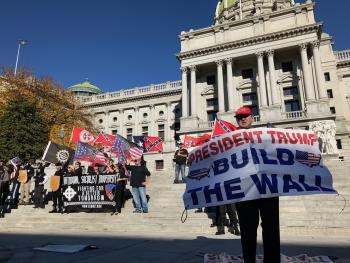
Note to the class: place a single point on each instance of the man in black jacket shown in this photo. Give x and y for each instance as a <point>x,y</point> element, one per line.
<point>180,159</point>
<point>4,188</point>
<point>139,179</point>
<point>249,212</point>
<point>57,197</point>
<point>39,179</point>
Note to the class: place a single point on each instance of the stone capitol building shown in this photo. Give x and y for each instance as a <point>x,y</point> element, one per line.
<point>270,55</point>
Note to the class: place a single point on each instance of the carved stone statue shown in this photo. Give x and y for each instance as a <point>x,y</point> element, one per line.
<point>325,131</point>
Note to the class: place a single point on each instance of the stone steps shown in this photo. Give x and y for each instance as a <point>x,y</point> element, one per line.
<point>298,214</point>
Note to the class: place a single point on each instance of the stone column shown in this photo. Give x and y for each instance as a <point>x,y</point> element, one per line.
<point>274,92</point>
<point>121,128</point>
<point>310,93</point>
<point>193,91</point>
<point>152,123</point>
<point>262,85</point>
<point>319,73</point>
<point>232,92</point>
<point>169,136</point>
<point>184,93</point>
<point>136,132</point>
<point>221,96</point>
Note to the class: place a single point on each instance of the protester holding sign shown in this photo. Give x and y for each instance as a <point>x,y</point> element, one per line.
<point>248,214</point>
<point>256,164</point>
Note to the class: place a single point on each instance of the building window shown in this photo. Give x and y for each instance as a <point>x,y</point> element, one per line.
<point>339,145</point>
<point>249,97</point>
<point>330,93</point>
<point>100,121</point>
<point>159,165</point>
<point>247,73</point>
<point>115,119</point>
<point>332,109</point>
<point>177,111</point>
<point>287,66</point>
<point>327,76</point>
<point>212,102</point>
<point>292,105</point>
<point>291,91</point>
<point>129,117</point>
<point>177,126</point>
<point>161,131</point>
<point>144,130</point>
<point>211,115</point>
<point>145,115</point>
<point>161,114</point>
<point>129,134</point>
<point>211,80</point>
<point>114,132</point>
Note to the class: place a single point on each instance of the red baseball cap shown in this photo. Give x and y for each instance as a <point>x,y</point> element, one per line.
<point>243,111</point>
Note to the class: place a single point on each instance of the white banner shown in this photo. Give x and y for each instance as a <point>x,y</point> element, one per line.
<point>255,163</point>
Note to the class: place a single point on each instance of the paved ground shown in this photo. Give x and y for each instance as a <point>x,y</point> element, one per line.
<point>17,248</point>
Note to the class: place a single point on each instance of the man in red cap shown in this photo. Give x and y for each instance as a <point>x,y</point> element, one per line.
<point>249,211</point>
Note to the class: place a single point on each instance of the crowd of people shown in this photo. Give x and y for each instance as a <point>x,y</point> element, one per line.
<point>16,183</point>
<point>136,172</point>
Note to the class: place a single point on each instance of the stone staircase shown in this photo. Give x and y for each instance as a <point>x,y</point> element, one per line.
<point>306,215</point>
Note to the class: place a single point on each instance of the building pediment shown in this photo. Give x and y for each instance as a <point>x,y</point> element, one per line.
<point>209,90</point>
<point>245,84</point>
<point>287,78</point>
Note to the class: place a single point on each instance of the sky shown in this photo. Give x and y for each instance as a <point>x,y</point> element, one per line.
<point>118,44</point>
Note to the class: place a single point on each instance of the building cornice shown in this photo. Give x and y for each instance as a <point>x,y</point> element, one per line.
<point>144,97</point>
<point>317,28</point>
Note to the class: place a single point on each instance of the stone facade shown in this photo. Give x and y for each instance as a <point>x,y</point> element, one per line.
<point>268,54</point>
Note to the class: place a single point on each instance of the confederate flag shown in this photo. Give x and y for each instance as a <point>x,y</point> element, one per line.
<point>153,144</point>
<point>105,139</point>
<point>82,135</point>
<point>222,127</point>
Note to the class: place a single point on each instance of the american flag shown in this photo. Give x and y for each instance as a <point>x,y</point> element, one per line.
<point>126,150</point>
<point>307,158</point>
<point>85,152</point>
<point>14,163</point>
<point>109,191</point>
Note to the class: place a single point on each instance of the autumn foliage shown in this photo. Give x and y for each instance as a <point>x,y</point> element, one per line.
<point>55,105</point>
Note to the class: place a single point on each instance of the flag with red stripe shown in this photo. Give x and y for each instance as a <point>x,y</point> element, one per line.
<point>105,139</point>
<point>222,127</point>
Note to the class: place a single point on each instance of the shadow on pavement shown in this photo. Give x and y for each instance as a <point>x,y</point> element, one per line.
<point>129,249</point>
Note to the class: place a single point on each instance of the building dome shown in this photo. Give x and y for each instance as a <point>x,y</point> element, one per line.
<point>85,89</point>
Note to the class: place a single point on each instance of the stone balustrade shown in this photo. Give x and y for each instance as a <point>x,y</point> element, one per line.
<point>294,114</point>
<point>343,55</point>
<point>134,92</point>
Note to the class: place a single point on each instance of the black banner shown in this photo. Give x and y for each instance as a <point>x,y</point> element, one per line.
<point>89,192</point>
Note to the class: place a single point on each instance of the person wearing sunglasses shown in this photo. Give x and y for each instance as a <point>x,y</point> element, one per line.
<point>250,211</point>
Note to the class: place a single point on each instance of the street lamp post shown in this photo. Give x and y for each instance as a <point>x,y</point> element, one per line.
<point>62,135</point>
<point>20,43</point>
